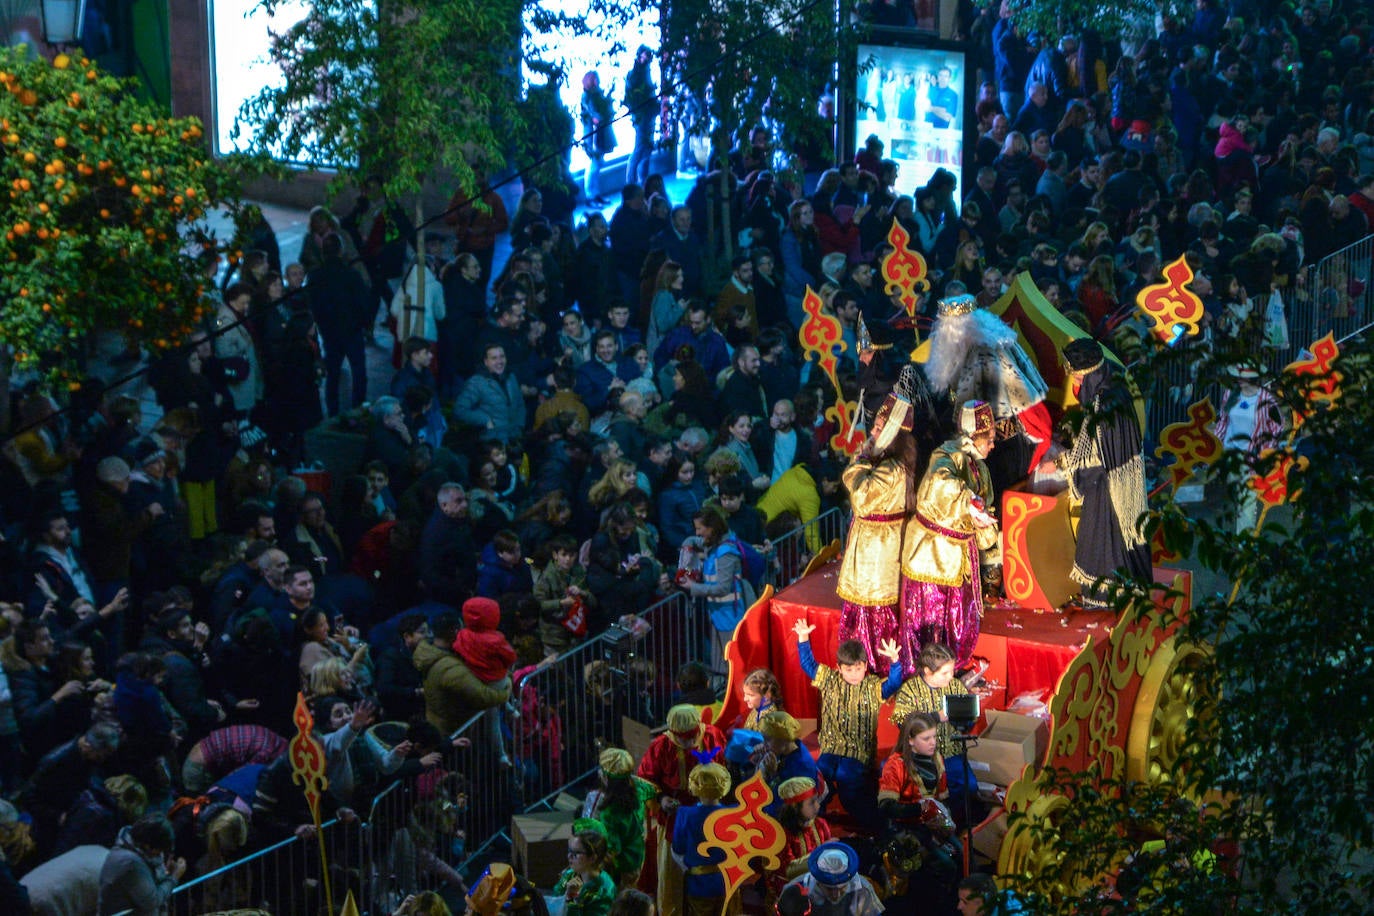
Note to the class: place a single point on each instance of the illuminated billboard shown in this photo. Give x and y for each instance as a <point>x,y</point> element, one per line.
<point>914,100</point>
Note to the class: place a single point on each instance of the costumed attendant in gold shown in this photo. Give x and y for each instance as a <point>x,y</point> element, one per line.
<point>1106,472</point>
<point>946,539</point>
<point>882,490</point>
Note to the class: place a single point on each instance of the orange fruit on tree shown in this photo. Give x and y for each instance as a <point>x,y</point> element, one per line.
<point>62,61</point>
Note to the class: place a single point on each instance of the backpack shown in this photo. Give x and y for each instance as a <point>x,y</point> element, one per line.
<point>753,563</point>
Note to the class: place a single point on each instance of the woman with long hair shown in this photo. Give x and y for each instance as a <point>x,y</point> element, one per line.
<point>1014,163</point>
<point>800,251</point>
<point>693,402</point>
<point>668,305</point>
<point>528,211</point>
<point>1124,92</point>
<point>1098,292</point>
<point>620,478</point>
<point>968,264</point>
<point>734,434</point>
<point>549,516</point>
<point>1097,239</point>
<point>680,500</point>
<point>881,481</point>
<point>726,591</point>
<point>317,644</point>
<point>1071,135</point>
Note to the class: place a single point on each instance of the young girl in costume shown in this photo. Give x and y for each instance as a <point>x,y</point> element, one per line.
<point>927,694</point>
<point>805,828</point>
<point>619,805</point>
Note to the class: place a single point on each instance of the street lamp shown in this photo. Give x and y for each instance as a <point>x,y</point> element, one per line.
<point>62,21</point>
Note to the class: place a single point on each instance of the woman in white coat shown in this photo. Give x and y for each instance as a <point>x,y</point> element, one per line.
<point>235,350</point>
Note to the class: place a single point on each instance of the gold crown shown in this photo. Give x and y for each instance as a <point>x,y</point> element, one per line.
<point>963,304</point>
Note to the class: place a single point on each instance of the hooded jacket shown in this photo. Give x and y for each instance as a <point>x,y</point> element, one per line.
<point>480,645</point>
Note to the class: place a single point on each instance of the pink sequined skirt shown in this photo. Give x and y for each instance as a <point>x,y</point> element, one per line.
<point>937,613</point>
<point>871,625</point>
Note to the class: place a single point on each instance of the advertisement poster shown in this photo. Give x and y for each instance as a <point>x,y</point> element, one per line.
<point>913,99</point>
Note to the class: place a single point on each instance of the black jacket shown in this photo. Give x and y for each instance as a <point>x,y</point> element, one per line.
<point>448,559</point>
<point>184,687</point>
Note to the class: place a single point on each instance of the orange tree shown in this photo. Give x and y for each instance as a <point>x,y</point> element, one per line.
<point>104,193</point>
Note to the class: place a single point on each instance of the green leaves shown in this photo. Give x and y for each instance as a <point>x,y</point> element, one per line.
<point>404,90</point>
<point>99,191</point>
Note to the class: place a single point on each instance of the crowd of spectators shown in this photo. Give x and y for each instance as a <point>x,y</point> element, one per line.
<point>617,412</point>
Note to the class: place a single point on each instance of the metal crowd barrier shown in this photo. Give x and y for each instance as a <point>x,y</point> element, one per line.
<point>793,550</point>
<point>281,878</point>
<point>517,758</point>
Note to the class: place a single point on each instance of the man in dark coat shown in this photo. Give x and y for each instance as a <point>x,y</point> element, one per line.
<point>592,281</point>
<point>339,301</point>
<point>630,240</point>
<point>175,640</point>
<point>682,246</point>
<point>447,553</point>
<point>743,390</point>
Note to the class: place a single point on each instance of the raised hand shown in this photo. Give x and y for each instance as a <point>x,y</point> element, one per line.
<point>888,649</point>
<point>803,630</point>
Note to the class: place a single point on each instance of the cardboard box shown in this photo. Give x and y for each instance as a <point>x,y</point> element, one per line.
<point>988,836</point>
<point>637,736</point>
<point>566,802</point>
<point>1005,747</point>
<point>539,845</point>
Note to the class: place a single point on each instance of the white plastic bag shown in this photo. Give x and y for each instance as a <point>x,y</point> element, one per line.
<point>1275,323</point>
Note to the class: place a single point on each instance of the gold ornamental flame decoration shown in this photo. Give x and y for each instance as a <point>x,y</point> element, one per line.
<point>848,437</point>
<point>1171,303</point>
<point>307,771</point>
<point>1191,443</point>
<point>746,834</point>
<point>821,336</point>
<point>1317,370</point>
<point>904,271</point>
